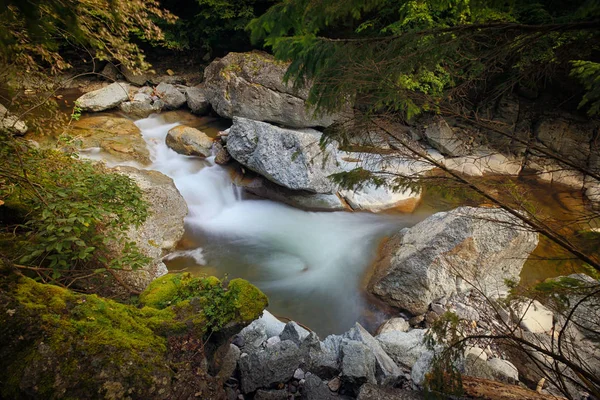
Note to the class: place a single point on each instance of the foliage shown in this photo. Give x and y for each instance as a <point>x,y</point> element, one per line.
<point>412,56</point>
<point>588,73</point>
<point>38,39</point>
<point>204,24</point>
<point>74,214</point>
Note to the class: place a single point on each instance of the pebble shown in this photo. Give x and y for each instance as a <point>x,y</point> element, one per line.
<point>299,374</point>
<point>334,384</point>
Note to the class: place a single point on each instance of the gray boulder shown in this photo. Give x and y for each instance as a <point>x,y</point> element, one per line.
<point>294,332</point>
<point>323,358</point>
<point>421,368</point>
<point>170,95</point>
<point>358,363</point>
<point>10,123</point>
<point>405,348</point>
<point>302,199</point>
<point>189,141</point>
<point>250,85</point>
<point>104,99</point>
<point>196,100</point>
<point>503,370</point>
<point>387,372</point>
<point>252,337</point>
<point>450,251</point>
<point>290,158</point>
<point>273,365</point>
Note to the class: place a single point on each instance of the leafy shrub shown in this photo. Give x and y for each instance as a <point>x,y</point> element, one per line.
<point>74,214</point>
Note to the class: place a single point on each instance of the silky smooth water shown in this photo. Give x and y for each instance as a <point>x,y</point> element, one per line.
<point>309,264</point>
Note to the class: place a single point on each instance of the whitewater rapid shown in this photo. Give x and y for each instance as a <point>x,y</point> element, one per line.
<point>309,264</point>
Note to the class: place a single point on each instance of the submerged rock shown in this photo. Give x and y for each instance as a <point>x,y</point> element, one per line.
<point>104,99</point>
<point>450,251</point>
<point>250,85</point>
<point>189,141</point>
<point>117,136</point>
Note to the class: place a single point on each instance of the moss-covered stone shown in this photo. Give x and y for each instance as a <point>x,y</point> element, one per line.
<point>59,344</point>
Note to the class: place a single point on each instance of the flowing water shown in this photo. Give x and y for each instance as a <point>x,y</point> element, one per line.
<point>309,264</point>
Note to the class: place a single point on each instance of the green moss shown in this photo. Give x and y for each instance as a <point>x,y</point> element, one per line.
<point>57,343</point>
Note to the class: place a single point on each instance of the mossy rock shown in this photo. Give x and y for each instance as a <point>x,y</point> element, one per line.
<point>59,344</point>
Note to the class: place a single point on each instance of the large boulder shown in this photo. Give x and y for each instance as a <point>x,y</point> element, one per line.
<point>119,137</point>
<point>10,123</point>
<point>189,141</point>
<point>451,252</point>
<point>104,99</point>
<point>290,158</point>
<point>250,85</point>
<point>163,228</point>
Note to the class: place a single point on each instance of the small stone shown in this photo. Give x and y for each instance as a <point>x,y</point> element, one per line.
<point>189,141</point>
<point>299,374</point>
<point>533,316</point>
<point>172,96</point>
<point>273,341</point>
<point>431,317</point>
<point>334,384</point>
<point>222,157</point>
<point>416,320</point>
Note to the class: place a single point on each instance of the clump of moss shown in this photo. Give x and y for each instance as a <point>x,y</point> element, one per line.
<point>57,343</point>
<point>206,299</point>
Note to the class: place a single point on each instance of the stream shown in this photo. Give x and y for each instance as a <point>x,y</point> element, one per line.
<point>309,264</point>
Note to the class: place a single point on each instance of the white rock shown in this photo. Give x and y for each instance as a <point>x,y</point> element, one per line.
<point>104,99</point>
<point>484,164</point>
<point>394,324</point>
<point>273,326</point>
<point>503,370</point>
<point>405,348</point>
<point>10,122</point>
<point>533,316</point>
